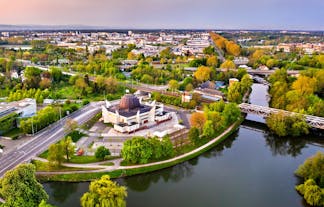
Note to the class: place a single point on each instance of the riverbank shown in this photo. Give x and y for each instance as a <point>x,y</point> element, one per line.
<point>123,171</point>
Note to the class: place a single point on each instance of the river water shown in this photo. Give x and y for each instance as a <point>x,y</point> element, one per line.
<point>251,168</point>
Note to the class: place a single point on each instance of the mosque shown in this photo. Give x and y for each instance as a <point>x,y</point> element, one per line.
<point>131,114</point>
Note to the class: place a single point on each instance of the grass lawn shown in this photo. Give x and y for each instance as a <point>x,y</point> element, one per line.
<point>75,135</point>
<point>88,159</point>
<point>84,159</point>
<point>43,154</point>
<point>13,134</point>
<point>43,166</point>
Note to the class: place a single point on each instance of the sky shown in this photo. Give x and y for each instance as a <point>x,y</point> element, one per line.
<point>168,14</point>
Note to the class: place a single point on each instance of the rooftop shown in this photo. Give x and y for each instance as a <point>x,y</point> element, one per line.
<point>129,106</point>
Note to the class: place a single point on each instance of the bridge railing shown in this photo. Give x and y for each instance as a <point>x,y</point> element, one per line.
<point>314,121</point>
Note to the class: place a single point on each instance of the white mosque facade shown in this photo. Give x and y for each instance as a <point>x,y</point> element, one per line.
<point>131,114</point>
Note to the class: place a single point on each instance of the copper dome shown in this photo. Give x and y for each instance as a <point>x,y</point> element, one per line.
<point>128,102</point>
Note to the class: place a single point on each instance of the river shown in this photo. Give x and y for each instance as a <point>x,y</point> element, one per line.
<point>251,168</point>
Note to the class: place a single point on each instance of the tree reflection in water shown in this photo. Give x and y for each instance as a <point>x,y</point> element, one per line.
<point>142,182</point>
<point>219,148</point>
<point>290,145</point>
<point>176,173</point>
<point>62,190</point>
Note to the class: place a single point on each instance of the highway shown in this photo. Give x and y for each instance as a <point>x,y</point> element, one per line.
<point>45,138</point>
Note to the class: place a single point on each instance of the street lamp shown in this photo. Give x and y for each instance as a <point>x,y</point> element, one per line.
<point>32,126</point>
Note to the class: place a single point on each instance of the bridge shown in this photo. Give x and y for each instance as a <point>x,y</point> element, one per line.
<point>260,80</point>
<point>249,71</point>
<point>261,72</point>
<point>313,121</point>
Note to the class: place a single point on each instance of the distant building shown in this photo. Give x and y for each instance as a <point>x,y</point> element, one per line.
<point>262,67</point>
<point>11,112</point>
<point>241,60</point>
<point>24,108</point>
<point>186,97</point>
<point>220,84</point>
<point>208,84</point>
<point>131,115</point>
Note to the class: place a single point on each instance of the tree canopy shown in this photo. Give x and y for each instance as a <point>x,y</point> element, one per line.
<point>140,150</point>
<point>19,187</point>
<point>312,171</point>
<point>104,192</point>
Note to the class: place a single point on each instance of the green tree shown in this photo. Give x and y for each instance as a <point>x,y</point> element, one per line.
<point>283,124</point>
<point>111,85</point>
<point>147,79</point>
<point>44,204</point>
<point>32,77</point>
<point>234,93</point>
<point>102,152</point>
<point>137,150</point>
<point>104,192</point>
<point>313,168</point>
<point>246,83</point>
<point>55,155</point>
<point>228,64</point>
<point>209,50</point>
<point>216,119</point>
<point>68,147</point>
<point>56,74</point>
<point>279,75</point>
<point>166,53</point>
<point>277,123</point>
<point>231,113</point>
<point>193,136</point>
<point>167,148</point>
<point>312,193</point>
<point>297,125</point>
<point>278,92</point>
<point>81,84</point>
<point>19,187</point>
<point>189,87</point>
<point>173,85</point>
<point>208,129</point>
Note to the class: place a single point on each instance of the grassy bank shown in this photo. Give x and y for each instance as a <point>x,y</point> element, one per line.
<point>44,166</point>
<point>134,171</point>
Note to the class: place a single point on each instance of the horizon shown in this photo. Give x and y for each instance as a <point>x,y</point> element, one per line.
<point>175,14</point>
<point>41,27</point>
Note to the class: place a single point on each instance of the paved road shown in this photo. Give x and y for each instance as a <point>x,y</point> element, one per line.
<point>42,140</point>
<point>183,114</point>
<point>218,50</point>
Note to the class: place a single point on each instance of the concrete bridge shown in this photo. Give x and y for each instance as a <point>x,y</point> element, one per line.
<point>313,121</point>
<point>261,72</point>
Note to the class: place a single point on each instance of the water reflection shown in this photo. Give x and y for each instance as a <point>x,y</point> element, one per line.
<point>61,191</point>
<point>173,174</point>
<point>284,145</point>
<point>217,151</point>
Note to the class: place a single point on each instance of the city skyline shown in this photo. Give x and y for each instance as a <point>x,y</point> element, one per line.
<point>176,14</point>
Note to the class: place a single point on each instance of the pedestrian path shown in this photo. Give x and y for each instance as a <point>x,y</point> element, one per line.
<point>117,162</point>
